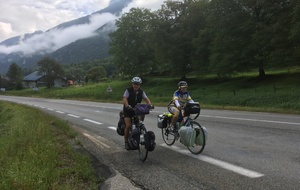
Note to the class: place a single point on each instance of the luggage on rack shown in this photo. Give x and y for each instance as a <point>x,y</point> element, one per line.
<point>134,139</point>
<point>199,137</point>
<point>121,124</point>
<point>187,135</point>
<point>163,120</point>
<point>150,141</point>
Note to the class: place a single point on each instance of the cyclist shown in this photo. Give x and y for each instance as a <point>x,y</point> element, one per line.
<point>132,96</point>
<point>180,98</point>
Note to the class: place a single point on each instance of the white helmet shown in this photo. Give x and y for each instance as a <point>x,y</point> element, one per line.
<point>136,80</point>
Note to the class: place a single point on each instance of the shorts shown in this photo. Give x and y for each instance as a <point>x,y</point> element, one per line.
<point>128,113</point>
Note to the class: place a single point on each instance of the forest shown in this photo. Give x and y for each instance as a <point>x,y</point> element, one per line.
<point>208,36</point>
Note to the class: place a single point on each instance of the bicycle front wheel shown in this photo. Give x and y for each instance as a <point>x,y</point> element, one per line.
<point>199,144</point>
<point>143,152</point>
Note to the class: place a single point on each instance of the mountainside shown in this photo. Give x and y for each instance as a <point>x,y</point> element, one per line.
<point>90,40</point>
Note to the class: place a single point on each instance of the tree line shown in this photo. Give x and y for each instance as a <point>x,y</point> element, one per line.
<point>207,36</point>
<point>93,71</point>
<point>201,36</point>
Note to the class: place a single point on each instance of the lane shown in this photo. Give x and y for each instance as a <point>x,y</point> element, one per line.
<point>238,143</point>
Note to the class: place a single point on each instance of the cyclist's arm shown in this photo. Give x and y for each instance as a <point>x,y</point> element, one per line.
<point>145,97</point>
<point>125,100</point>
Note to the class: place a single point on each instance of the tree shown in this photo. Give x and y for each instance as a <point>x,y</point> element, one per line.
<point>75,73</point>
<point>96,73</point>
<point>129,45</point>
<point>294,36</point>
<point>15,75</point>
<point>51,69</point>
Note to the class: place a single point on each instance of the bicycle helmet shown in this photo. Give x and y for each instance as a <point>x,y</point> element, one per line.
<point>182,84</point>
<point>136,80</point>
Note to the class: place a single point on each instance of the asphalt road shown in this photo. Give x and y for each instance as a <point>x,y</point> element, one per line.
<point>245,150</point>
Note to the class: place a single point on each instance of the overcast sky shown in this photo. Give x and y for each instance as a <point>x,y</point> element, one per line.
<point>18,17</point>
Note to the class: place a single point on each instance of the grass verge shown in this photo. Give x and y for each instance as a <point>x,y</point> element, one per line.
<point>36,152</point>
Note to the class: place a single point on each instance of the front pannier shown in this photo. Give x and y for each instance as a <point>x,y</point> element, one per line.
<point>150,141</point>
<point>192,108</point>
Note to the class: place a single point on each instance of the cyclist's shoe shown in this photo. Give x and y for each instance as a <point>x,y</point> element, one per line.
<point>173,130</point>
<point>127,147</point>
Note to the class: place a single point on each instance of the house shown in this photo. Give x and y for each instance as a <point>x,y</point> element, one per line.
<point>4,82</point>
<point>37,80</point>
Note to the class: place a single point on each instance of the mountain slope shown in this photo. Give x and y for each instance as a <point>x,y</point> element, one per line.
<point>89,47</point>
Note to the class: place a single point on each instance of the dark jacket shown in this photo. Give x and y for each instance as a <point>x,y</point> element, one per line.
<point>134,97</point>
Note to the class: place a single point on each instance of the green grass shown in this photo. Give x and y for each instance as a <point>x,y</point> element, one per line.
<point>276,92</point>
<point>36,153</point>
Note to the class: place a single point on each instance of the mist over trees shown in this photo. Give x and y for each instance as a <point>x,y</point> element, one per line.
<point>208,36</point>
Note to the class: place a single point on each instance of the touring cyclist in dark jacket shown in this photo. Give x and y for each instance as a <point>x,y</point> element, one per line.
<point>132,96</point>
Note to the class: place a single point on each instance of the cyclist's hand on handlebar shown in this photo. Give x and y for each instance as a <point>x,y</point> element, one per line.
<point>151,106</point>
<point>129,107</point>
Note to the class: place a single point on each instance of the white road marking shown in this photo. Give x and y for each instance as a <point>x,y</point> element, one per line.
<point>95,140</point>
<point>112,127</point>
<point>216,162</point>
<point>256,120</point>
<point>92,121</point>
<point>60,112</point>
<point>50,109</point>
<point>73,115</point>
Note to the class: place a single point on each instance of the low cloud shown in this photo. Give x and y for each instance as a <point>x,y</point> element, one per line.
<point>56,38</point>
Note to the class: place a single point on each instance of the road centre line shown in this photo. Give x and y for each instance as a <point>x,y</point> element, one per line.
<point>73,115</point>
<point>256,120</point>
<point>216,162</point>
<point>60,112</point>
<point>92,121</point>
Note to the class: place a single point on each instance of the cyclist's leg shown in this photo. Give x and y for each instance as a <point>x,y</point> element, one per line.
<point>127,119</point>
<point>175,111</point>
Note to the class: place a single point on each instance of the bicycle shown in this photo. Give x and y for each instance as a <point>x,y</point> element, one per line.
<point>170,136</point>
<point>139,138</point>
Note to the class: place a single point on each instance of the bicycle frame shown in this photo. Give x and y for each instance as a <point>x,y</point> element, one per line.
<point>137,120</point>
<point>170,136</point>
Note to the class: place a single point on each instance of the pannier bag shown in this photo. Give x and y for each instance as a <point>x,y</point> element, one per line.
<point>142,109</point>
<point>134,139</point>
<point>192,108</point>
<point>121,124</point>
<point>162,120</point>
<point>150,141</point>
<point>199,138</point>
<point>187,136</point>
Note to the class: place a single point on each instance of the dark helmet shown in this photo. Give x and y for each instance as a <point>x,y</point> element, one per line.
<point>182,84</point>
<point>136,80</point>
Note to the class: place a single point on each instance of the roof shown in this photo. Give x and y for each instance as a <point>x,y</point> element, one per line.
<point>33,76</point>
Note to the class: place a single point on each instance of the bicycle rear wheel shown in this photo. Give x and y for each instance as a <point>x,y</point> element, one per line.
<point>199,144</point>
<point>168,136</point>
<point>143,152</point>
